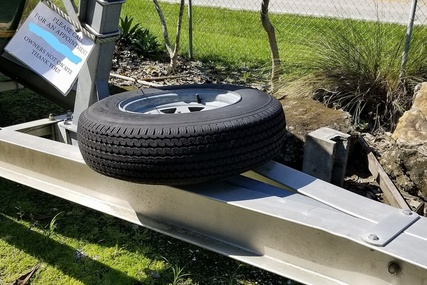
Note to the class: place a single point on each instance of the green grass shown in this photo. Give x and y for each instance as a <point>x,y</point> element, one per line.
<point>86,247</point>
<point>237,38</point>
<point>360,72</point>
<point>24,105</point>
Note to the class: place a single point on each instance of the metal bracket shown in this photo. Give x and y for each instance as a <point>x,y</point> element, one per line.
<point>390,227</point>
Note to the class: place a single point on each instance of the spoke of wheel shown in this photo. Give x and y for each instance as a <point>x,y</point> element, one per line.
<point>182,109</point>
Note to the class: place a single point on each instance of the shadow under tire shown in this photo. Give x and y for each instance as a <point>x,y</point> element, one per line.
<point>139,136</point>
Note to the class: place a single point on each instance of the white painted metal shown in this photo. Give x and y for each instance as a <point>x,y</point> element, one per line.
<point>316,238</point>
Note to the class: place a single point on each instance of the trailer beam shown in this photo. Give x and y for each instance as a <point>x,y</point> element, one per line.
<point>315,238</point>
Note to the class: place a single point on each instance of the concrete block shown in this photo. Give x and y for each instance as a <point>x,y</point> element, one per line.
<point>326,154</point>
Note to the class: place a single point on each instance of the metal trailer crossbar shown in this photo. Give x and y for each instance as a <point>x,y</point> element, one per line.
<point>272,217</point>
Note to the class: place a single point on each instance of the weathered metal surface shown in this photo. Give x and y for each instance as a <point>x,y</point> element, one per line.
<point>387,229</point>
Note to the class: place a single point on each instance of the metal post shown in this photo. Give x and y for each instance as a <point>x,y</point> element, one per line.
<point>190,29</point>
<point>408,39</point>
<point>101,18</point>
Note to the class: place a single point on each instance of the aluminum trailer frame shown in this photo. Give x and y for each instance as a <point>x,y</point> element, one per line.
<point>273,217</point>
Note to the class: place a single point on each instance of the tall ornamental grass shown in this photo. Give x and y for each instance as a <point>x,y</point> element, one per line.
<point>360,71</point>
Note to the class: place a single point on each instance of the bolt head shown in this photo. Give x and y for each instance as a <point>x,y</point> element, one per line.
<point>373,237</point>
<point>393,268</point>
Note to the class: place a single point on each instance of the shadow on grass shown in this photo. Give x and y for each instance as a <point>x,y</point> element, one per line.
<point>60,256</point>
<point>85,227</point>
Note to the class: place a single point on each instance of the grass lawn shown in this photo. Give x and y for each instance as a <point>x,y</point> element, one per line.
<point>238,38</point>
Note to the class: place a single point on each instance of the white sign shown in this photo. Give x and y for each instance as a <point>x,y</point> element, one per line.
<point>49,45</point>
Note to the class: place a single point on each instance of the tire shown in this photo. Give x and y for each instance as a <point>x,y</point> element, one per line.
<point>125,136</point>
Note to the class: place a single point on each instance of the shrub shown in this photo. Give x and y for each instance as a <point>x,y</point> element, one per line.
<point>136,39</point>
<point>127,30</point>
<point>145,44</point>
<point>361,73</point>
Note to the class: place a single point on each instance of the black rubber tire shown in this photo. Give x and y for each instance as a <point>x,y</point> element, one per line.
<point>186,148</point>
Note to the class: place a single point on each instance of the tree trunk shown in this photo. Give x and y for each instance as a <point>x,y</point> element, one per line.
<point>275,58</point>
<point>177,37</point>
<point>172,50</point>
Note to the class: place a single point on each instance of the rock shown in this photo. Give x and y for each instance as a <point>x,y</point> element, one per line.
<point>406,184</point>
<point>416,168</point>
<point>390,161</point>
<point>393,161</point>
<point>412,126</point>
<point>407,161</point>
<point>304,116</point>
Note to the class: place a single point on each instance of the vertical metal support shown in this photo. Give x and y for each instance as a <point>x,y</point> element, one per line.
<point>190,29</point>
<point>102,18</point>
<point>408,39</point>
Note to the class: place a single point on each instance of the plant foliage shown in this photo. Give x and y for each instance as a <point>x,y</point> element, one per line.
<point>137,39</point>
<point>145,43</point>
<point>361,73</point>
<point>128,30</point>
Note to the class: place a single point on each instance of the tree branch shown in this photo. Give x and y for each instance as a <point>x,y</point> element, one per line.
<point>275,58</point>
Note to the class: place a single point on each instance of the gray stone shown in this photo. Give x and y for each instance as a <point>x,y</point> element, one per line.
<point>410,150</point>
<point>325,155</point>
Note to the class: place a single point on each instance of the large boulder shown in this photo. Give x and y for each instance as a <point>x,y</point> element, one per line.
<point>412,126</point>
<point>406,160</point>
